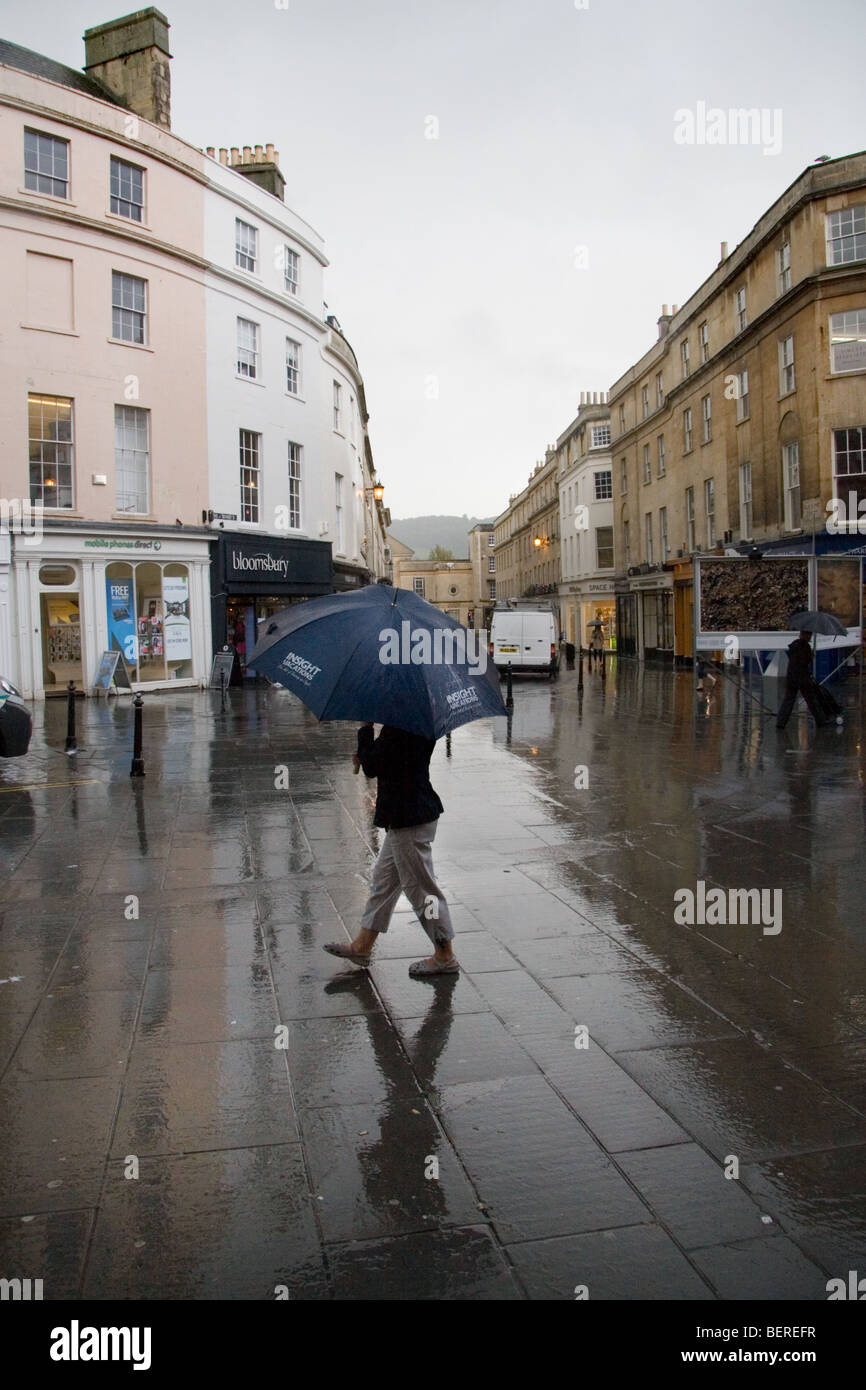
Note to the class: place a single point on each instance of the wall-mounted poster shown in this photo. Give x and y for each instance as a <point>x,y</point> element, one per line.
<point>752,595</point>
<point>175,593</point>
<point>121,618</point>
<point>839,588</point>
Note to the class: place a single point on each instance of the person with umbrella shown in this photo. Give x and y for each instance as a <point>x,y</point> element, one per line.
<point>799,678</point>
<point>596,640</point>
<point>386,656</point>
<point>407,808</point>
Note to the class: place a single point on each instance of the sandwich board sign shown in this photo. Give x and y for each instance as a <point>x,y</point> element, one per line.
<point>222,667</point>
<point>112,673</point>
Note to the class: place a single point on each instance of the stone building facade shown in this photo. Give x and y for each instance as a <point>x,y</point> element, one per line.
<point>527,537</point>
<point>447,584</point>
<point>482,557</point>
<point>748,414</point>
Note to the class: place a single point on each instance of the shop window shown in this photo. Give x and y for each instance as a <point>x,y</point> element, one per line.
<point>177,630</point>
<point>120,613</point>
<point>148,613</point>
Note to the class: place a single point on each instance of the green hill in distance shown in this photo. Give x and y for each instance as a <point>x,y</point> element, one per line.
<point>423,532</point>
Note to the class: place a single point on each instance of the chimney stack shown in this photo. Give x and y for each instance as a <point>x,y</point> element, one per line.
<point>664,321</point>
<point>724,255</point>
<point>260,165</point>
<point>130,57</point>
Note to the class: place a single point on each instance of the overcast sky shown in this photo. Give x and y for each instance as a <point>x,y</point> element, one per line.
<point>453,260</point>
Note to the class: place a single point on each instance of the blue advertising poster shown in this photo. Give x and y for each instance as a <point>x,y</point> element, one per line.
<point>121,619</point>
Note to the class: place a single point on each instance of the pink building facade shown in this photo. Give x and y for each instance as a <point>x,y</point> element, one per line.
<point>103,422</point>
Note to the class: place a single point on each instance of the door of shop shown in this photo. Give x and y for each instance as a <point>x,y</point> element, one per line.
<point>60,624</point>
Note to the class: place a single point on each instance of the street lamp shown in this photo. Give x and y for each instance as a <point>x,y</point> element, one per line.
<point>540,541</point>
<point>377,492</point>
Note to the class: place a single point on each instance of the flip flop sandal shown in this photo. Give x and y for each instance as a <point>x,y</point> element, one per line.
<point>420,969</point>
<point>344,950</point>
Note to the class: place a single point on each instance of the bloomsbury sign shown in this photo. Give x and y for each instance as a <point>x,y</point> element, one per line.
<point>276,565</point>
<point>257,565</point>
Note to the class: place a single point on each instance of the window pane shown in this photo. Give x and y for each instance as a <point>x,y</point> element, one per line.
<point>50,450</point>
<point>131,458</point>
<point>126,184</point>
<point>46,164</point>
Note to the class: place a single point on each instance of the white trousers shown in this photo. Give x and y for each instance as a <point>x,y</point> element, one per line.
<point>405,864</point>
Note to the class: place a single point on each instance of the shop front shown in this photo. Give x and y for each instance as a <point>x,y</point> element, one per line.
<point>348,577</point>
<point>585,604</point>
<point>254,577</point>
<point>79,593</point>
<point>684,612</point>
<point>626,623</point>
<point>655,615</point>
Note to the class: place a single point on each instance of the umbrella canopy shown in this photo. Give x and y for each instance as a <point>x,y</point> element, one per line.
<point>380,655</point>
<point>813,620</point>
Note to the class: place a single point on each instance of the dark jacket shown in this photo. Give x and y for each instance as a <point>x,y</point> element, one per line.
<point>799,662</point>
<point>401,762</point>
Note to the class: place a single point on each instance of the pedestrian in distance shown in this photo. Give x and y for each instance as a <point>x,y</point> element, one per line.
<point>704,674</point>
<point>799,680</point>
<point>408,809</point>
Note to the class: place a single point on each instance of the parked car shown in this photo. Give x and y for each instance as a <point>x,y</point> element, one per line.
<point>528,638</point>
<point>16,723</point>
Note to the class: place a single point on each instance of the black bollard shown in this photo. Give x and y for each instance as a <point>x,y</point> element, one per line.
<point>71,743</point>
<point>509,694</point>
<point>603,666</point>
<point>137,769</point>
<point>580,668</point>
<point>223,688</point>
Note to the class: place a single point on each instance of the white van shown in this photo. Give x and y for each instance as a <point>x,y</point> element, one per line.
<point>528,638</point>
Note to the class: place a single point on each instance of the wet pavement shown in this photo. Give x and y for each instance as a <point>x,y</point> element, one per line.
<point>199,1103</point>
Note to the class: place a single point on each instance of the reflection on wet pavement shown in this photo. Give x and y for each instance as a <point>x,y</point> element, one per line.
<point>200,1103</point>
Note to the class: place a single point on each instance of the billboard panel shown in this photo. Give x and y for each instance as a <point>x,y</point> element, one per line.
<point>754,599</point>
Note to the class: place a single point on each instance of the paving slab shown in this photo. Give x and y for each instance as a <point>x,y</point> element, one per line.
<point>301,1124</point>
<point>629,1263</point>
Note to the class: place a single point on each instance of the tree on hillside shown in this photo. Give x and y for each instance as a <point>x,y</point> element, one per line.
<point>441,552</point>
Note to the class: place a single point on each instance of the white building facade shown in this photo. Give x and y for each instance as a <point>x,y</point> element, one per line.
<point>586,592</point>
<point>290,463</point>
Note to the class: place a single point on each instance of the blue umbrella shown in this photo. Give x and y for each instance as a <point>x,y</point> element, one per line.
<point>383,656</point>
